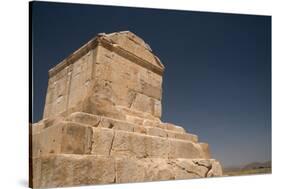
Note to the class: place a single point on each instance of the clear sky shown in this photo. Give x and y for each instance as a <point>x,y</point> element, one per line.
<point>217,81</point>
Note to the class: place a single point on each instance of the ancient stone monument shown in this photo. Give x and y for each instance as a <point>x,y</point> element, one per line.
<point>102,124</point>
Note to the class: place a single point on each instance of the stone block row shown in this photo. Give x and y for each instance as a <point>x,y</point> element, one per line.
<point>74,138</point>
<point>129,144</point>
<point>149,127</point>
<point>69,170</point>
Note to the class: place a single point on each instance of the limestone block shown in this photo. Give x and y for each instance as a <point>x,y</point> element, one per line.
<point>157,109</point>
<point>103,71</point>
<point>186,136</point>
<point>173,127</point>
<point>102,141</point>
<point>52,121</point>
<point>141,115</point>
<point>216,169</point>
<point>184,149</point>
<point>160,125</point>
<point>138,145</point>
<point>64,137</point>
<point>157,146</point>
<point>181,174</point>
<point>151,91</point>
<point>158,169</point>
<point>149,123</point>
<point>134,120</point>
<point>48,141</point>
<point>100,104</point>
<point>143,103</point>
<point>76,139</point>
<point>182,136</point>
<point>69,170</point>
<point>37,127</point>
<point>203,162</point>
<point>128,144</point>
<point>190,167</point>
<point>154,131</point>
<point>80,79</point>
<point>139,129</point>
<point>151,79</point>
<point>116,124</point>
<point>129,170</point>
<point>85,118</point>
<point>57,97</point>
<point>171,134</point>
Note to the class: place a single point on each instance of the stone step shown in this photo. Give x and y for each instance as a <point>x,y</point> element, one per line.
<point>138,114</point>
<point>73,138</point>
<point>124,143</point>
<point>161,130</point>
<point>69,170</point>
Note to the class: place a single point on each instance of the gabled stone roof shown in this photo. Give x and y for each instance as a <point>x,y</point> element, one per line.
<point>124,43</point>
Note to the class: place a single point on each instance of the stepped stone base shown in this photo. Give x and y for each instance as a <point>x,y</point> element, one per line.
<point>69,170</point>
<point>86,149</point>
<point>82,133</point>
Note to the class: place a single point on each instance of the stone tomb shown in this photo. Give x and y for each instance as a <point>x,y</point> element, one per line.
<point>101,121</point>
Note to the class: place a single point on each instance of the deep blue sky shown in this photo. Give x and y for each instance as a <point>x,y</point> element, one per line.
<point>217,82</point>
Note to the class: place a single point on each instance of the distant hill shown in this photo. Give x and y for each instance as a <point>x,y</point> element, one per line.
<point>257,165</point>
<point>251,168</point>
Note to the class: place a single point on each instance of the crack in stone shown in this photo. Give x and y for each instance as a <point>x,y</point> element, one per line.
<point>98,122</point>
<point>111,145</point>
<point>210,169</point>
<point>90,141</point>
<point>185,169</point>
<point>133,99</point>
<point>200,164</point>
<point>115,171</point>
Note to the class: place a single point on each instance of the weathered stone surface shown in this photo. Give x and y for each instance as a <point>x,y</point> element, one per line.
<point>47,142</point>
<point>134,120</point>
<point>76,139</point>
<point>71,137</point>
<point>158,169</point>
<point>184,149</point>
<point>105,74</point>
<point>173,127</point>
<point>128,144</point>
<point>116,124</point>
<point>129,170</point>
<point>85,118</point>
<point>154,131</point>
<point>187,136</point>
<point>64,137</point>
<point>102,141</point>
<point>102,124</point>
<point>138,145</point>
<point>68,170</point>
<point>139,129</point>
<point>216,169</point>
